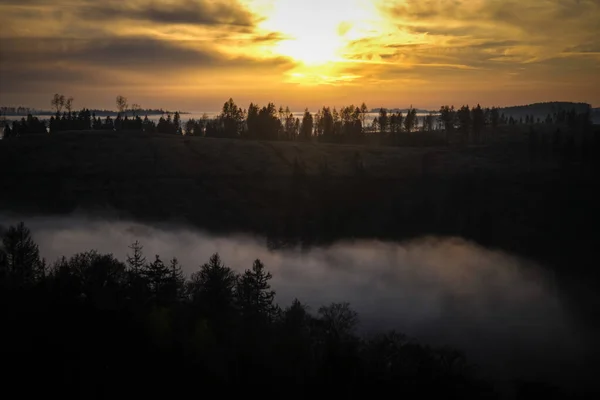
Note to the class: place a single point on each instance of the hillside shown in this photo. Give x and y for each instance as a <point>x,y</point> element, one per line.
<point>305,193</point>
<point>543,109</point>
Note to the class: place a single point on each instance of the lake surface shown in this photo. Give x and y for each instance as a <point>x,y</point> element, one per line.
<point>506,313</point>
<point>369,117</point>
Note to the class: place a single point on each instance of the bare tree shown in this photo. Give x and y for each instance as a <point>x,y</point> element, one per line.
<point>122,104</point>
<point>363,114</point>
<point>135,108</point>
<point>58,102</point>
<point>69,104</point>
<point>339,319</point>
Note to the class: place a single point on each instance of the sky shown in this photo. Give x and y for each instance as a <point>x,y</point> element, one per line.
<point>194,54</point>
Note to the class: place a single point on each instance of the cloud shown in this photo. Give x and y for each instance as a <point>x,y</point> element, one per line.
<point>529,28</point>
<point>478,49</point>
<point>78,44</point>
<point>33,61</point>
<point>192,12</point>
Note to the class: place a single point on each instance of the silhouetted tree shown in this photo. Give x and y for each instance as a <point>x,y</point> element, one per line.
<point>326,122</point>
<point>410,120</point>
<point>162,126</point>
<point>136,261</point>
<point>109,124</point>
<point>137,288</point>
<point>478,118</point>
<point>121,104</point>
<point>176,128</point>
<point>396,125</point>
<point>162,282</point>
<point>98,278</point>
<point>212,289</point>
<point>148,126</point>
<point>176,283</point>
<point>383,121</point>
<point>252,121</point>
<point>448,119</point>
<point>58,102</point>
<point>135,108</point>
<point>231,119</point>
<point>290,132</point>
<point>463,116</point>
<point>69,104</point>
<point>306,128</point>
<point>7,132</point>
<point>337,125</point>
<point>253,294</point>
<point>428,123</point>
<point>21,264</point>
<point>189,127</point>
<point>339,320</point>
<point>268,124</point>
<point>363,115</point>
<point>495,117</point>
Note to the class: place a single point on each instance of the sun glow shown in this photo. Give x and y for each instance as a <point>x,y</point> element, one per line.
<point>316,32</point>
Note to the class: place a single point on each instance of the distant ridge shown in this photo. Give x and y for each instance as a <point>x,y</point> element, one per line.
<point>552,106</point>
<point>23,111</point>
<point>402,110</point>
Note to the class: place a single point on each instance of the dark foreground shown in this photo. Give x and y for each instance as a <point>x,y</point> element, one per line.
<point>536,201</point>
<point>93,326</point>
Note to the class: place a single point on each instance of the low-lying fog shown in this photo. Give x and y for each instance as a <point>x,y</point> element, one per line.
<point>504,312</point>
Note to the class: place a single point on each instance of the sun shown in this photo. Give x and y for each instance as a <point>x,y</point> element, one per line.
<point>316,32</point>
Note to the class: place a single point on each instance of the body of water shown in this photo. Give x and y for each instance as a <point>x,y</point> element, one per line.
<point>369,117</point>
<point>506,313</point>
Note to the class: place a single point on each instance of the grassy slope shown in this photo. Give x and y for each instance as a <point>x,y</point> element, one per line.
<point>492,194</point>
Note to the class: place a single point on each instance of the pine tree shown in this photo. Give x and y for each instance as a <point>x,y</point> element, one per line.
<point>176,124</point>
<point>253,293</point>
<point>136,281</point>
<point>176,281</point>
<point>22,265</point>
<point>307,126</point>
<point>383,121</point>
<point>158,277</point>
<point>212,289</point>
<point>136,261</point>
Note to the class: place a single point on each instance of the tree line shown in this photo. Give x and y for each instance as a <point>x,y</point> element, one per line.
<point>69,120</point>
<point>346,125</point>
<point>106,325</point>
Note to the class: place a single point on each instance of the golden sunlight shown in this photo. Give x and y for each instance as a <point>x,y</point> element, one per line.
<point>315,31</point>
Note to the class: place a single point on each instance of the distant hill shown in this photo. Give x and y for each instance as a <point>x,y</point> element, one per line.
<point>23,111</point>
<point>104,113</point>
<point>402,110</point>
<point>543,109</point>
